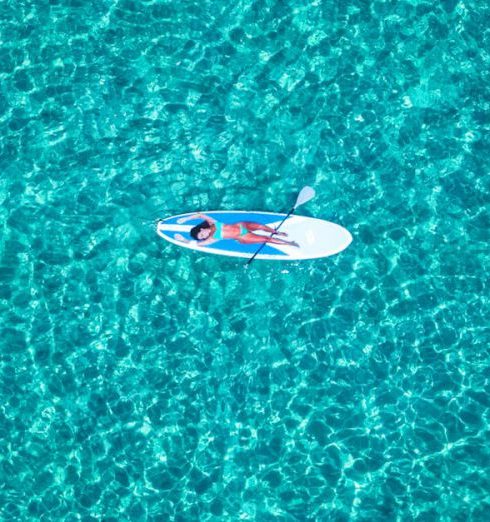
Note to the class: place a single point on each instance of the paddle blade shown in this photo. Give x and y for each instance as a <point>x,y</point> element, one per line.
<point>304,196</point>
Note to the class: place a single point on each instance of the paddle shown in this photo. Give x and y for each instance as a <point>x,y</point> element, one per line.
<point>304,196</point>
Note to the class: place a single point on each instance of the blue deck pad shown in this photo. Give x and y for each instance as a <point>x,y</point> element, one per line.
<point>231,245</point>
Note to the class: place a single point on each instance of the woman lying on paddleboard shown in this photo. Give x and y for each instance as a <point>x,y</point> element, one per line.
<point>210,231</point>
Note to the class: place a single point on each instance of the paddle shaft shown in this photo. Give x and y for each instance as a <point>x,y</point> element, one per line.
<point>263,244</point>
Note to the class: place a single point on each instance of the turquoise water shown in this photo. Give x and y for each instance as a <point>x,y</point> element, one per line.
<point>140,381</point>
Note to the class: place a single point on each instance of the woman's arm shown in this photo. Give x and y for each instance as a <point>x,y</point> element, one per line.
<point>208,218</point>
<point>209,241</point>
<point>196,216</point>
<point>180,237</point>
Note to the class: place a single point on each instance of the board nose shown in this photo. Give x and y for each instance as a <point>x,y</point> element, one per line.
<point>165,227</point>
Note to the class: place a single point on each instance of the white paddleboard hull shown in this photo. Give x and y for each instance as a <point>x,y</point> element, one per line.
<point>316,238</point>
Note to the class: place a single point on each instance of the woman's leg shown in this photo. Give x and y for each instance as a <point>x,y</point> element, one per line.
<point>255,238</point>
<point>251,227</point>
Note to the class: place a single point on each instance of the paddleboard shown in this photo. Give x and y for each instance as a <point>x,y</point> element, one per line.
<point>316,238</point>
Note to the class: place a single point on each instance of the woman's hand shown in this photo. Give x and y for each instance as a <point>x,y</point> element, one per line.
<point>180,237</point>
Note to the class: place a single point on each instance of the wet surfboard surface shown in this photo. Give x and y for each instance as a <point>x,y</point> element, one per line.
<point>316,237</point>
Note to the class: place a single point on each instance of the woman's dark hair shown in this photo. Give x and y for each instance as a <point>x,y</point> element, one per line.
<point>195,230</point>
